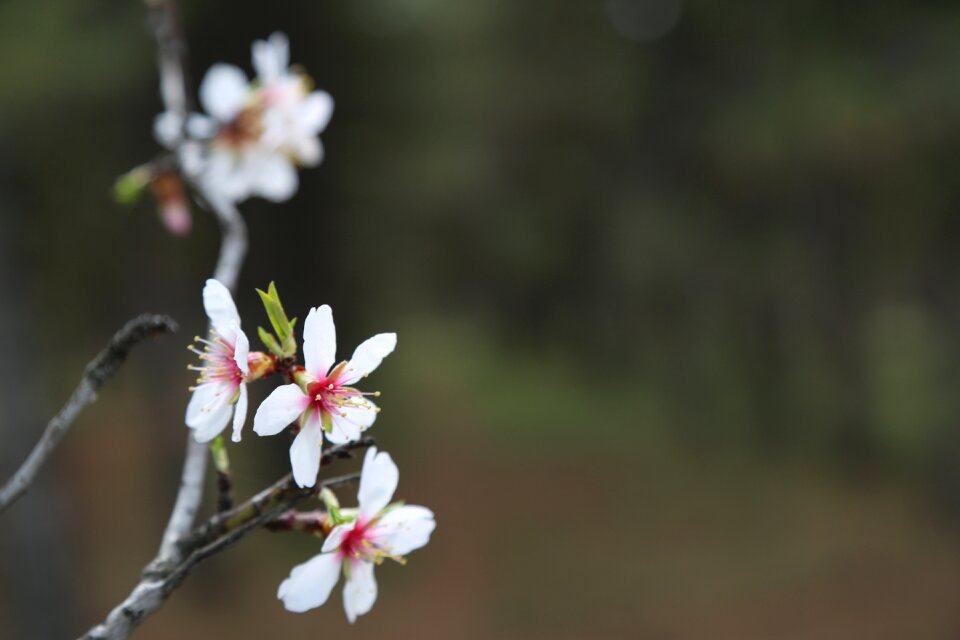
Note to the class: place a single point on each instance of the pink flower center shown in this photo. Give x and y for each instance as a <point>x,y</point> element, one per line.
<point>356,545</point>
<point>246,128</point>
<point>329,396</point>
<point>359,544</point>
<point>219,361</point>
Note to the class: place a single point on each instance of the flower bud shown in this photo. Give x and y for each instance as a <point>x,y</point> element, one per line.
<point>172,201</point>
<point>261,364</point>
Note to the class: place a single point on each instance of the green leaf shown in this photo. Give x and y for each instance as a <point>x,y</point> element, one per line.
<point>278,317</point>
<point>270,342</point>
<point>129,186</point>
<point>290,341</point>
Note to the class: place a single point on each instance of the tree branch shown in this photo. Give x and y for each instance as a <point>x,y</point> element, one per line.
<point>233,249</point>
<point>163,17</point>
<point>282,493</point>
<point>218,533</point>
<point>307,522</point>
<point>95,375</point>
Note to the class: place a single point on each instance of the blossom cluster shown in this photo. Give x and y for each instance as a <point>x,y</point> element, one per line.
<point>320,402</point>
<point>255,133</point>
<point>252,137</point>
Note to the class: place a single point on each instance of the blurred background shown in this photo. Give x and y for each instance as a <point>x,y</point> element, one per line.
<point>676,286</point>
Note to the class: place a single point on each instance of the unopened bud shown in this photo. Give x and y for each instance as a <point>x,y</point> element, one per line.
<point>329,499</point>
<point>261,364</point>
<point>172,202</point>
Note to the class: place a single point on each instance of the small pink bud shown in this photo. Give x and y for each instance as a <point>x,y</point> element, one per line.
<point>261,364</point>
<point>172,202</point>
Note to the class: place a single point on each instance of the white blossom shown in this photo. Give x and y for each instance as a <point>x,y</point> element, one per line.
<point>323,398</point>
<point>221,389</point>
<point>255,133</point>
<point>380,531</point>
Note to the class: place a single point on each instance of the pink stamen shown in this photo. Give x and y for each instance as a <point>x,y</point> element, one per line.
<point>328,396</point>
<point>219,363</point>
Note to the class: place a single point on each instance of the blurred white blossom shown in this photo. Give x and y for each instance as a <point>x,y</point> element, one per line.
<point>255,134</point>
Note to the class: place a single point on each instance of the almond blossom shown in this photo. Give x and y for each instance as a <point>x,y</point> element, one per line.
<point>380,531</point>
<point>322,397</point>
<point>221,389</point>
<point>257,132</point>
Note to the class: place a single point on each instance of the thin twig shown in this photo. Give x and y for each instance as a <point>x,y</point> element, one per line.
<point>97,372</point>
<point>280,492</point>
<point>308,522</point>
<point>163,18</point>
<point>233,249</point>
<point>219,532</point>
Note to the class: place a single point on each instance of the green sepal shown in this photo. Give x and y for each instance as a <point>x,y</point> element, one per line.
<point>327,421</point>
<point>335,517</point>
<point>338,516</point>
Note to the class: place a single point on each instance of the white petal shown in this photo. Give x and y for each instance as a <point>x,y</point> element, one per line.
<point>240,413</point>
<point>279,409</point>
<point>368,356</point>
<point>241,350</point>
<point>192,158</point>
<point>271,57</point>
<point>275,178</point>
<point>168,129</point>
<point>310,583</point>
<point>305,451</point>
<point>225,178</point>
<point>360,592</point>
<point>315,112</point>
<point>220,308</point>
<point>224,91</point>
<point>319,341</point>
<point>336,536</point>
<point>351,422</point>
<point>363,416</point>
<point>208,411</point>
<point>308,150</point>
<point>342,430</point>
<point>403,529</point>
<point>201,126</point>
<point>378,481</point>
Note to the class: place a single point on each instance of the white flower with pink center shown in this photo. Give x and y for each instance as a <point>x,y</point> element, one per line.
<point>256,133</point>
<point>379,531</point>
<point>221,390</point>
<point>323,398</point>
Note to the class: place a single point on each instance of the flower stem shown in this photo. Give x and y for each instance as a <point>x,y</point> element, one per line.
<point>221,461</point>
